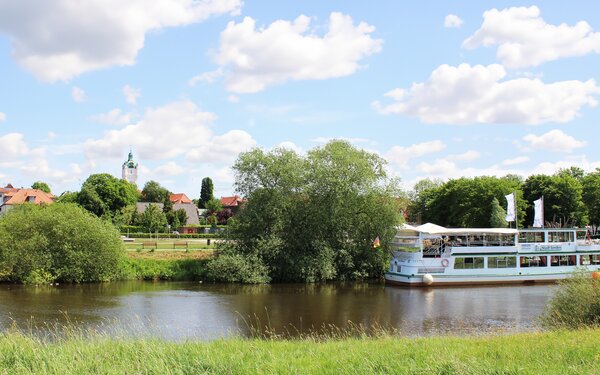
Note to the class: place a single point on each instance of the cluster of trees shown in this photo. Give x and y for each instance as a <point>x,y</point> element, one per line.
<point>58,242</point>
<point>310,218</point>
<point>571,198</point>
<point>115,199</point>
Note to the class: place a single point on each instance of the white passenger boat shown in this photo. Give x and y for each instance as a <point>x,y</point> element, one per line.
<point>433,255</point>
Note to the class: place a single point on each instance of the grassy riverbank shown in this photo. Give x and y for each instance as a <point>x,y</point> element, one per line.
<point>166,265</point>
<point>564,352</point>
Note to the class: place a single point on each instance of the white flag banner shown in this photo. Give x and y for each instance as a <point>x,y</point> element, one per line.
<point>538,217</point>
<point>510,207</point>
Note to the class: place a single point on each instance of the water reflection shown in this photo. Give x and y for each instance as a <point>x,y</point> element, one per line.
<point>206,311</point>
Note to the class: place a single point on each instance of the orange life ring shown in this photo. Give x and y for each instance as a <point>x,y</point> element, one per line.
<point>445,262</point>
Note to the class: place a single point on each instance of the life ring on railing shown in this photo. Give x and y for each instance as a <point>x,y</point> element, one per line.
<point>445,262</point>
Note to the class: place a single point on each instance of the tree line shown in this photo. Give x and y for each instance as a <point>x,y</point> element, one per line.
<point>571,198</point>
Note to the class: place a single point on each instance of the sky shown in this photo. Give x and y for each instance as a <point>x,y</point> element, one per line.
<point>440,89</point>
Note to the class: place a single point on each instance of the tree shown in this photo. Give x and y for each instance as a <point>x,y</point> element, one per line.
<point>154,192</point>
<point>178,218</point>
<point>41,186</point>
<point>591,196</point>
<point>63,243</point>
<point>206,192</point>
<point>563,201</point>
<point>213,206</point>
<point>498,216</point>
<point>103,195</point>
<point>313,218</point>
<point>153,219</point>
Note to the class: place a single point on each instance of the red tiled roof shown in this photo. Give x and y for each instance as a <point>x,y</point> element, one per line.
<point>23,195</point>
<point>232,201</point>
<point>179,198</point>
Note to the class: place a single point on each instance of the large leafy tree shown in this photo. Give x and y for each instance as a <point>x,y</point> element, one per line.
<point>591,196</point>
<point>206,192</point>
<point>314,218</point>
<point>563,198</point>
<point>104,195</point>
<point>41,186</point>
<point>498,215</point>
<point>154,192</point>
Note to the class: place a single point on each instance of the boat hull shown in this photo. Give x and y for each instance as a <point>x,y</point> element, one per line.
<point>454,280</point>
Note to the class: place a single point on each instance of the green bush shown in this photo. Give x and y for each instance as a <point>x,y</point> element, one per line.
<point>164,269</point>
<point>228,266</point>
<point>59,242</point>
<point>575,304</point>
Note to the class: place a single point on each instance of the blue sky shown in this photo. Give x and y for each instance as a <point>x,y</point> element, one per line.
<point>440,89</point>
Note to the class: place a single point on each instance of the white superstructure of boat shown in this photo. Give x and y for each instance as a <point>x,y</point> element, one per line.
<point>433,255</point>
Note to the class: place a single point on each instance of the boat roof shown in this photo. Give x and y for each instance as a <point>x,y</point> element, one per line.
<point>430,228</point>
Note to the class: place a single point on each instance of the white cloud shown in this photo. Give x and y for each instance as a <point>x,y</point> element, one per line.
<point>233,98</point>
<point>401,155</point>
<point>222,148</point>
<point>2,117</point>
<point>515,161</point>
<point>13,147</point>
<point>39,168</point>
<point>169,169</point>
<point>131,94</point>
<point>206,77</point>
<point>466,156</point>
<point>288,145</point>
<point>253,59</point>
<point>175,129</point>
<point>554,140</point>
<point>452,20</point>
<point>476,94</point>
<point>60,39</point>
<point>77,94</point>
<point>438,167</point>
<point>113,117</point>
<point>525,39</point>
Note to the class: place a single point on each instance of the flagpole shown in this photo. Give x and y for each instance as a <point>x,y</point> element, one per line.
<point>516,216</point>
<point>543,219</point>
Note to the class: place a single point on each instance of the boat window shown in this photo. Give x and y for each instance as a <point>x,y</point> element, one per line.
<point>560,237</point>
<point>461,263</point>
<point>531,237</point>
<point>586,260</point>
<point>502,262</point>
<point>563,260</point>
<point>534,261</point>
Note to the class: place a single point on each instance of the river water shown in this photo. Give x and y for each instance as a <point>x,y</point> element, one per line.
<point>179,311</point>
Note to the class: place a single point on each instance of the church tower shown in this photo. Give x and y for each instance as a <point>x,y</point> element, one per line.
<point>130,169</point>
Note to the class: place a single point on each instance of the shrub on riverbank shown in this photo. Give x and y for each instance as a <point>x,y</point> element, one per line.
<point>563,352</point>
<point>59,242</point>
<point>145,268</point>
<point>575,304</point>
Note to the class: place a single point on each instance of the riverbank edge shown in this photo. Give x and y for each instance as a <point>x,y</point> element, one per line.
<point>164,269</point>
<point>556,352</point>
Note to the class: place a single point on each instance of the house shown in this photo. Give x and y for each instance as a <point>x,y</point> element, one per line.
<point>232,203</point>
<point>10,197</point>
<point>180,199</point>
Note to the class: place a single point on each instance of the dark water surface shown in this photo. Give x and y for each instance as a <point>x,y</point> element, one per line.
<point>206,311</point>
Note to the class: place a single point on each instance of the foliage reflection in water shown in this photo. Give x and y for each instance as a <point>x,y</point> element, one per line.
<point>179,311</point>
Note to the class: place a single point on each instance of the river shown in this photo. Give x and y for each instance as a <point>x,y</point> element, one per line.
<point>179,311</point>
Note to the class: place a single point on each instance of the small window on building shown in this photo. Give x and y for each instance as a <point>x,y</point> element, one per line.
<point>468,263</point>
<point>589,260</point>
<point>534,261</point>
<point>563,260</point>
<point>502,262</point>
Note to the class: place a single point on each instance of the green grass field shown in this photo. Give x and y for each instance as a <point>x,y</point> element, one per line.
<point>561,352</point>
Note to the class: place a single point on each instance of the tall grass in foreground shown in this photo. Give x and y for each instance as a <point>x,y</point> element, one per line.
<point>557,352</point>
<point>575,304</point>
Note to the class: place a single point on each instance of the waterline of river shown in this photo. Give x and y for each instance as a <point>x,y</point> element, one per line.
<point>179,311</point>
